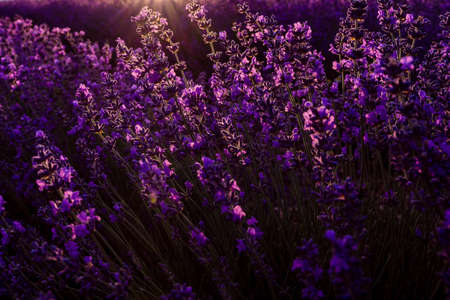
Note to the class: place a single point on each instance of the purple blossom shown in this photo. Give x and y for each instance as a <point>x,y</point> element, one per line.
<point>2,204</point>
<point>240,245</point>
<point>72,249</point>
<point>5,237</point>
<point>180,291</point>
<point>18,227</point>
<point>198,237</point>
<point>238,213</point>
<point>71,198</point>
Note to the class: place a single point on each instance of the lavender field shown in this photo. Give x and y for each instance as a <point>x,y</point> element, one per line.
<point>182,150</point>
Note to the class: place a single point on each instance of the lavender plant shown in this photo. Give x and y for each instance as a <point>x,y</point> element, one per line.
<point>124,175</point>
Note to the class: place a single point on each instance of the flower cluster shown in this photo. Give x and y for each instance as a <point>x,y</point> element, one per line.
<point>277,171</point>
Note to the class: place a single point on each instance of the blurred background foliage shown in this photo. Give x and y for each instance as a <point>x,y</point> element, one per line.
<point>106,20</point>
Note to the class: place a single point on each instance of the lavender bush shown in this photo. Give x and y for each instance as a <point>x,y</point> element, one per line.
<point>106,20</point>
<point>126,174</point>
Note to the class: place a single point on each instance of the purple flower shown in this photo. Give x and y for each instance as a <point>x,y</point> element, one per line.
<point>223,35</point>
<point>198,237</point>
<point>345,266</point>
<point>2,204</point>
<point>5,237</point>
<point>240,245</point>
<point>72,249</point>
<point>18,227</point>
<point>330,235</point>
<point>79,230</point>
<point>238,213</point>
<point>88,216</point>
<point>40,134</point>
<point>297,264</point>
<point>66,174</point>
<point>180,291</point>
<point>71,198</point>
<point>407,63</point>
<point>252,221</point>
<point>254,232</point>
<point>42,185</point>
